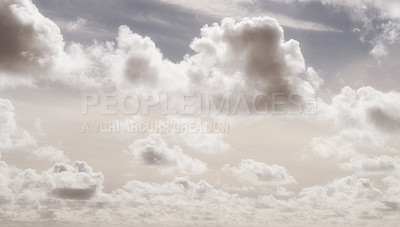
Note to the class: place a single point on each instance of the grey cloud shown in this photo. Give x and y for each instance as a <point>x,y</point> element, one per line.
<point>154,151</point>
<point>384,120</point>
<point>391,206</point>
<point>256,48</point>
<point>29,41</point>
<point>139,71</point>
<point>74,193</point>
<point>264,63</point>
<point>151,156</point>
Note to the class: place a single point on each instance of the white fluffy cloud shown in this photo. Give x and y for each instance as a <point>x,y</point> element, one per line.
<point>76,181</point>
<point>251,56</point>
<point>366,108</point>
<point>348,197</point>
<point>366,120</point>
<point>76,25</point>
<point>238,56</point>
<point>12,136</point>
<point>72,194</point>
<point>380,165</point>
<point>259,173</point>
<point>154,151</point>
<point>27,188</point>
<point>49,153</point>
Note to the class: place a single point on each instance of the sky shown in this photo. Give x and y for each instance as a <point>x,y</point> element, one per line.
<point>199,113</point>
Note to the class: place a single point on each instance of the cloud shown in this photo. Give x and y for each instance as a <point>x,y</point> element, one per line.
<point>154,151</point>
<point>365,166</point>
<point>333,146</point>
<point>366,108</point>
<point>252,53</point>
<point>31,196</point>
<point>384,120</point>
<point>76,181</point>
<point>237,55</point>
<point>76,25</point>
<point>259,173</point>
<point>205,142</point>
<point>12,136</point>
<point>73,194</point>
<point>201,139</point>
<point>79,175</point>
<point>30,42</point>
<point>348,143</point>
<point>350,197</point>
<point>5,191</point>
<point>313,77</point>
<point>49,153</point>
<point>393,183</point>
<point>378,22</point>
<point>27,188</point>
<point>366,120</point>
<point>248,58</point>
<point>247,8</point>
<point>254,48</point>
<point>15,137</point>
<point>133,65</point>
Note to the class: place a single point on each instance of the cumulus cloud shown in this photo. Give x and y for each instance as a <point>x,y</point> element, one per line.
<point>348,143</point>
<point>236,55</point>
<point>365,166</point>
<point>313,78</point>
<point>30,42</point>
<point>73,194</point>
<point>368,109</point>
<point>250,51</point>
<point>12,136</point>
<point>49,153</point>
<point>259,173</point>
<point>350,197</point>
<point>133,65</point>
<point>154,151</point>
<point>366,119</point>
<point>76,181</point>
<point>27,188</point>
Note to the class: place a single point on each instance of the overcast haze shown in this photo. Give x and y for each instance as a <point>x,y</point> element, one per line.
<point>199,113</point>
